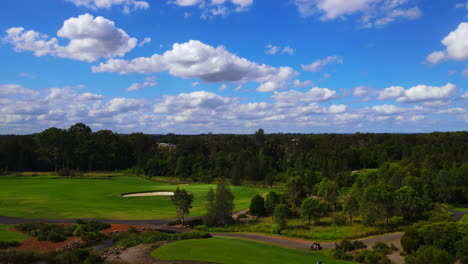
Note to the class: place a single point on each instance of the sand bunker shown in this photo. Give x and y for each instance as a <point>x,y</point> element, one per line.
<point>148,194</point>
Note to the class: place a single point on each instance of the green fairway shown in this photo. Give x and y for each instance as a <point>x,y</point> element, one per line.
<point>6,235</point>
<point>237,251</point>
<point>461,208</point>
<point>464,219</point>
<point>49,197</point>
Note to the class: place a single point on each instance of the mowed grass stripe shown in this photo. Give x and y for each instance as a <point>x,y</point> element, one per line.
<point>46,197</point>
<point>238,251</point>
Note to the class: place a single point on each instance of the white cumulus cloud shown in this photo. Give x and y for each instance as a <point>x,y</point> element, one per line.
<point>148,82</point>
<point>89,39</point>
<point>456,43</point>
<point>195,59</point>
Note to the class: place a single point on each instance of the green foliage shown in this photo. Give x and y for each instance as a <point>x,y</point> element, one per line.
<point>131,239</point>
<point>410,241</point>
<point>183,202</point>
<point>220,205</point>
<point>339,218</point>
<point>461,248</point>
<point>88,231</point>
<point>311,208</point>
<point>410,203</point>
<point>443,235</point>
<point>429,255</point>
<point>381,247</point>
<point>341,254</point>
<point>281,213</point>
<point>257,206</point>
<point>76,256</point>
<point>8,244</point>
<point>271,201</point>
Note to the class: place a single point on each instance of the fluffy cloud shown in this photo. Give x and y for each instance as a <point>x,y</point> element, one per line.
<point>390,92</point>
<point>361,91</point>
<point>212,8</point>
<point>149,82</point>
<point>320,64</point>
<point>90,39</point>
<point>371,12</point>
<point>202,112</point>
<point>388,109</point>
<point>292,97</point>
<point>195,59</point>
<point>456,44</point>
<point>8,90</point>
<point>128,5</point>
<point>421,93</point>
<point>272,50</point>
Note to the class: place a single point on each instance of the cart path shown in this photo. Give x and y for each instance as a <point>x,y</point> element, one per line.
<point>305,244</point>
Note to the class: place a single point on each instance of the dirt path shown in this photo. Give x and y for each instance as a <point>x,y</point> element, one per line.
<point>305,244</point>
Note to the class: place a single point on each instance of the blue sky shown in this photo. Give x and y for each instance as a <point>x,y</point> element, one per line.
<point>233,66</point>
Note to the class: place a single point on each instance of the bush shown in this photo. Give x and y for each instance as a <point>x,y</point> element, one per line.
<point>128,239</point>
<point>55,237</point>
<point>339,218</point>
<point>9,244</point>
<point>345,245</point>
<point>64,172</point>
<point>191,223</point>
<point>429,255</point>
<point>241,216</point>
<point>381,247</point>
<point>358,244</point>
<point>276,229</point>
<point>257,206</point>
<point>341,254</point>
<point>410,240</point>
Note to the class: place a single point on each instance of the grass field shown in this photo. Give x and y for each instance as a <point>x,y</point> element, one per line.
<point>6,235</point>
<point>237,251</point>
<point>464,219</point>
<point>53,197</point>
<point>299,228</point>
<point>461,208</point>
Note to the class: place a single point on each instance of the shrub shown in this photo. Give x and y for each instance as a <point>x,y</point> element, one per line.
<point>381,247</point>
<point>64,172</point>
<point>55,237</point>
<point>339,218</point>
<point>429,255</point>
<point>358,244</point>
<point>276,229</point>
<point>241,216</point>
<point>257,206</point>
<point>410,240</point>
<point>127,239</point>
<point>345,245</point>
<point>461,247</point>
<point>9,244</point>
<point>341,254</point>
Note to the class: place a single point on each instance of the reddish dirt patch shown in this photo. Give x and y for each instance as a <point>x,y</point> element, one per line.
<point>32,244</point>
<point>119,227</point>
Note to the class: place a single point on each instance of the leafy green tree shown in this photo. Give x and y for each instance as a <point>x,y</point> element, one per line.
<point>443,235</point>
<point>295,190</point>
<point>410,240</point>
<point>410,204</point>
<point>51,146</point>
<point>257,206</point>
<point>271,201</point>
<point>183,202</point>
<point>311,208</point>
<point>370,205</point>
<point>329,190</point>
<point>429,255</point>
<point>220,204</point>
<point>349,202</point>
<point>281,214</point>
<point>461,248</point>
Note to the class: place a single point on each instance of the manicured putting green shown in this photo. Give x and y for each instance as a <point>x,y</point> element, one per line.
<point>51,197</point>
<point>238,251</point>
<point>6,235</point>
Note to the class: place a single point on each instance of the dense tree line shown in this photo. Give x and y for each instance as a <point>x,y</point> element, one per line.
<point>433,165</point>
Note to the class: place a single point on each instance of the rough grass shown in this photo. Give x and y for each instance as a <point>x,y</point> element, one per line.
<point>6,235</point>
<point>301,229</point>
<point>461,208</point>
<point>237,251</point>
<point>55,197</point>
<point>464,219</point>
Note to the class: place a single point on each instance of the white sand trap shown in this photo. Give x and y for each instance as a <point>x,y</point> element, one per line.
<point>149,194</point>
